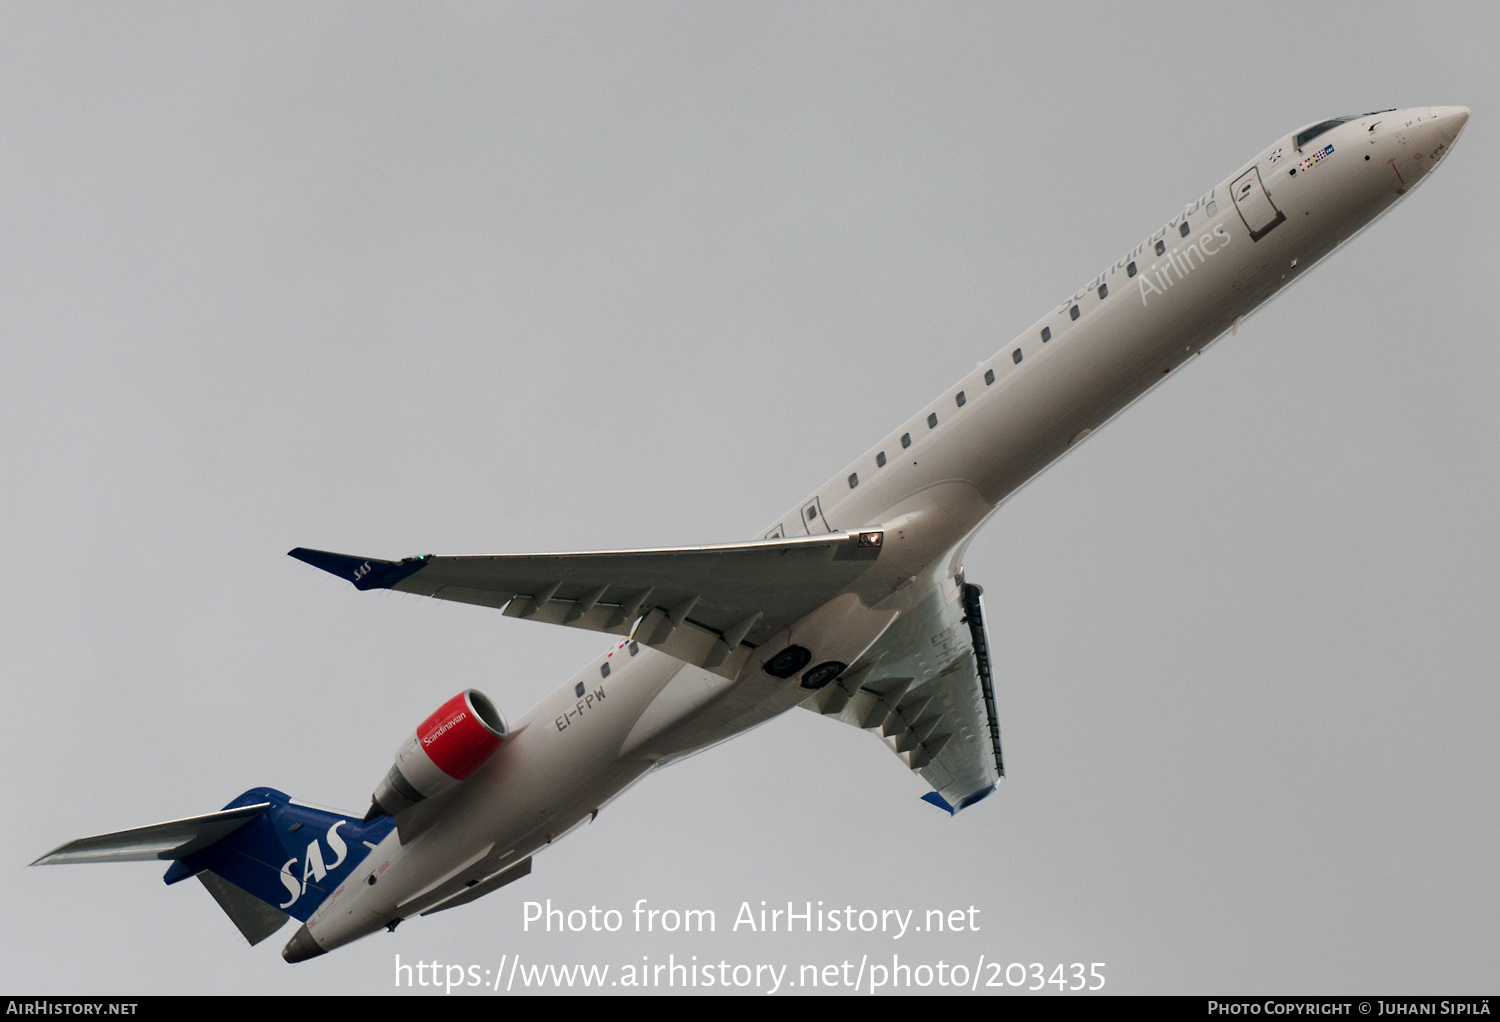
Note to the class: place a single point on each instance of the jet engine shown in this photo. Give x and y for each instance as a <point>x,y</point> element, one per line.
<point>444,749</point>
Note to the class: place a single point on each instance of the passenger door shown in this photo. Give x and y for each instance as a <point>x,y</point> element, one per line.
<point>1254,205</point>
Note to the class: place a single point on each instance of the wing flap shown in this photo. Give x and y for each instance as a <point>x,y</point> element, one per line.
<point>477,597</point>
<point>601,617</point>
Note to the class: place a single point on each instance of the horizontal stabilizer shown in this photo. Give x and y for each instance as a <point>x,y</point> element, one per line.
<point>175,839</point>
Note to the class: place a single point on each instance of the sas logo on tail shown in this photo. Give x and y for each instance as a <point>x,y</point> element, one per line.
<point>314,867</point>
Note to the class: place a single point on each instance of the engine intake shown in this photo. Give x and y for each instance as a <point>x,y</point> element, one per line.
<point>444,750</point>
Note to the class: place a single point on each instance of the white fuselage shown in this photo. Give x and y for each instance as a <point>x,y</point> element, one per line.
<point>930,484</point>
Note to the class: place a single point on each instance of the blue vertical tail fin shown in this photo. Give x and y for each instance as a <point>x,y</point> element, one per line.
<point>289,856</point>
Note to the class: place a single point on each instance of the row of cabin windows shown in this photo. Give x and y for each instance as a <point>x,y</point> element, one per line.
<point>1130,271</point>
<point>989,374</point>
<point>1161,250</point>
<point>960,399</point>
<point>1016,356</point>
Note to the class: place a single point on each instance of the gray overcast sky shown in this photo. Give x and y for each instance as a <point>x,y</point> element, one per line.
<point>397,279</point>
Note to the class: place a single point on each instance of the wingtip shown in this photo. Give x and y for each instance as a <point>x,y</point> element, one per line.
<point>362,572</point>
<point>933,798</point>
<point>342,565</point>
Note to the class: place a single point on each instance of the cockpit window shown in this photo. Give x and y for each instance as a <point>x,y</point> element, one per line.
<point>1303,137</point>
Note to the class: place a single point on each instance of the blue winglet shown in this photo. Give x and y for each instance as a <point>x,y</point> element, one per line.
<point>364,572</point>
<point>939,801</point>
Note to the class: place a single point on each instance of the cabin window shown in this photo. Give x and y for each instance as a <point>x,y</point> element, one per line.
<point>853,480</point>
<point>989,377</point>
<point>1103,291</point>
<point>905,440</point>
<point>1161,248</point>
<point>1016,356</point>
<point>960,400</point>
<point>1185,229</point>
<point>1047,333</point>
<point>604,670</point>
<point>1073,312</point>
<point>1130,268</point>
<point>1211,208</point>
<point>932,421</point>
<point>812,513</point>
<point>880,460</point>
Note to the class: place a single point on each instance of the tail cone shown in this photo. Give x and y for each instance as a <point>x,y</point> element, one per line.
<point>301,947</point>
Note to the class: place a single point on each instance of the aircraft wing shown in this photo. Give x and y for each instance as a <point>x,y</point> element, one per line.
<point>926,689</point>
<point>700,604</point>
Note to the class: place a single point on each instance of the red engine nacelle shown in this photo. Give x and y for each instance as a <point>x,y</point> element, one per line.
<point>444,749</point>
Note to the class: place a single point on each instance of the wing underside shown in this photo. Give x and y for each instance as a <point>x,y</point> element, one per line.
<point>926,690</point>
<point>705,605</point>
<point>925,687</point>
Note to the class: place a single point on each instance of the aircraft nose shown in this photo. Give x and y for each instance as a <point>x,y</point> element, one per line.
<point>1450,121</point>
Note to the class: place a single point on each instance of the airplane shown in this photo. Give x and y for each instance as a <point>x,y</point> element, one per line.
<point>854,604</point>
